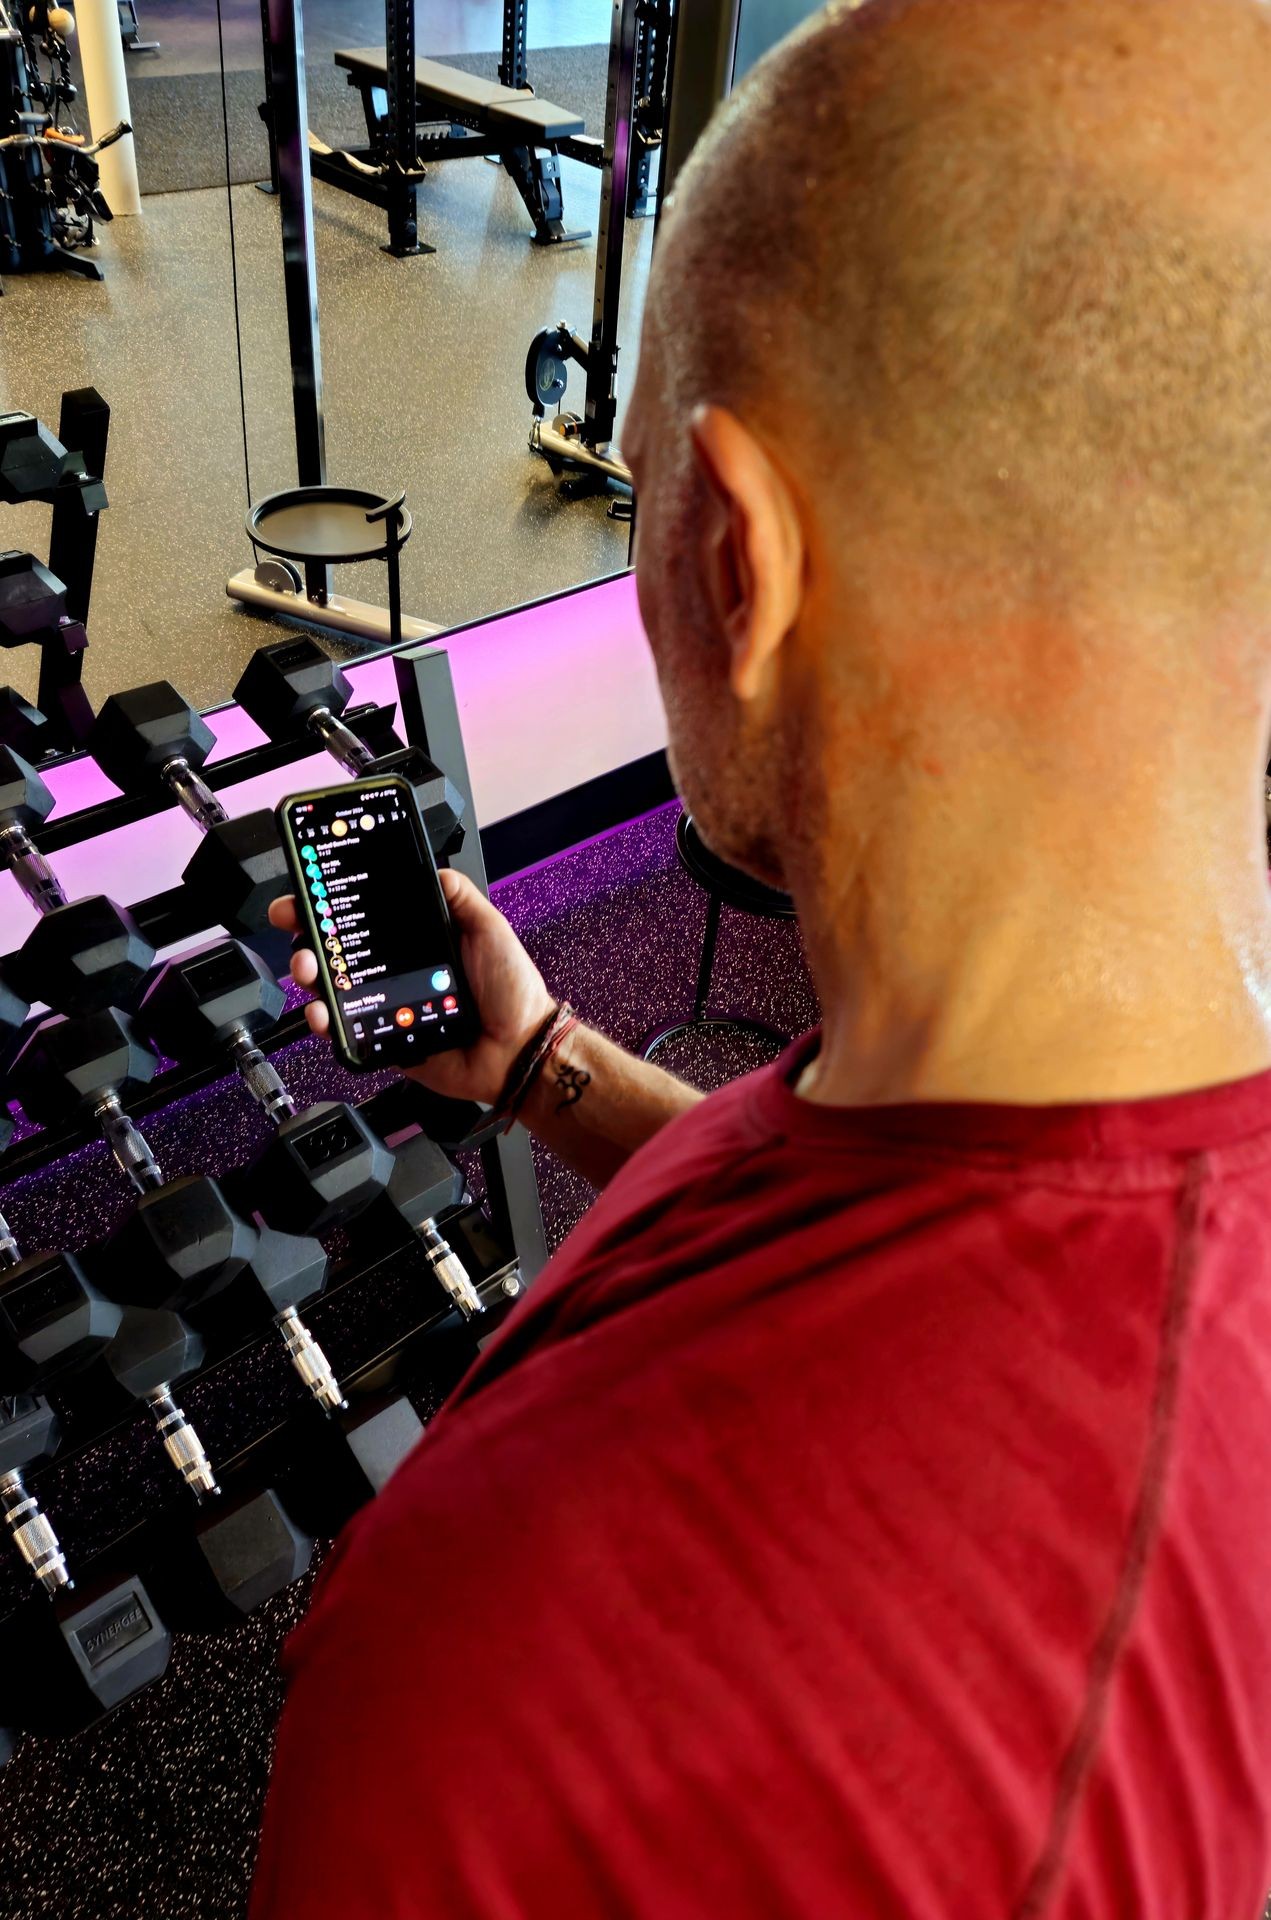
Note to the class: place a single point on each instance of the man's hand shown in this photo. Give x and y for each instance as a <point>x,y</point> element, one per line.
<point>512,999</point>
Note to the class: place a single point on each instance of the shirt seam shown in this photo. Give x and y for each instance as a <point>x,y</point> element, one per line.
<point>1077,1768</point>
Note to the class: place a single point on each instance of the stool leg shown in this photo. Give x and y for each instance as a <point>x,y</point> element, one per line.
<point>394,586</point>
<point>706,966</point>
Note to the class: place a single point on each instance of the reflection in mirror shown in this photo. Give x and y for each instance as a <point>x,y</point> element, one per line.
<point>479,243</point>
<point>151,331</point>
<point>455,222</point>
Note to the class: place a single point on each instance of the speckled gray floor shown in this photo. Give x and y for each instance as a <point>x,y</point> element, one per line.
<point>423,363</point>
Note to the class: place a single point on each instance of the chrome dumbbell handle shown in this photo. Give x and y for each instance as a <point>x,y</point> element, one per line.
<point>193,794</point>
<point>340,741</point>
<point>33,1535</point>
<point>450,1270</point>
<point>310,1362</point>
<point>128,1145</point>
<point>181,1443</point>
<point>261,1079</point>
<point>30,869</point>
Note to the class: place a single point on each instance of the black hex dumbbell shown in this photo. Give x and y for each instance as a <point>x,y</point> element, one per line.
<point>64,1666</point>
<point>151,741</point>
<point>56,1325</point>
<point>214,1005</point>
<point>22,726</point>
<point>90,1066</point>
<point>32,598</point>
<point>13,1012</point>
<point>81,954</point>
<point>29,1435</point>
<point>53,1324</point>
<point>325,1165</point>
<point>291,689</point>
<point>184,1244</point>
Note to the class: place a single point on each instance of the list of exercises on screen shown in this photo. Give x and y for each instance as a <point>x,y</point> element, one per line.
<point>376,918</point>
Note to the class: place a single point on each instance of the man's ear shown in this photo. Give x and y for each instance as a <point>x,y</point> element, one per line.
<point>752,545</point>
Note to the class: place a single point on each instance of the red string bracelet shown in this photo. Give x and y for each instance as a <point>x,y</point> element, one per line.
<point>530,1062</point>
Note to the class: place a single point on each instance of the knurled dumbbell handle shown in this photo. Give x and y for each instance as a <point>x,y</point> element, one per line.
<point>263,1081</point>
<point>30,869</point>
<point>340,741</point>
<point>181,1443</point>
<point>33,1535</point>
<point>129,1145</point>
<point>309,1361</point>
<point>450,1270</point>
<point>193,794</point>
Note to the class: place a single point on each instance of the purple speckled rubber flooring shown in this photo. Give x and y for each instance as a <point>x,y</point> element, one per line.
<point>154,1812</point>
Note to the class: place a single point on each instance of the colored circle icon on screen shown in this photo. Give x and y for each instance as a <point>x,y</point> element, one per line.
<point>328,926</point>
<point>405,1017</point>
<point>339,828</point>
<point>441,979</point>
<point>333,945</point>
<point>450,1003</point>
<point>342,985</point>
<point>367,822</point>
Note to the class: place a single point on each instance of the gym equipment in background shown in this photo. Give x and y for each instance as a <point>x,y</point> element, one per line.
<point>274,584</point>
<point>580,445</point>
<point>420,111</point>
<point>324,527</point>
<point>130,29</point>
<point>50,198</point>
<point>48,606</point>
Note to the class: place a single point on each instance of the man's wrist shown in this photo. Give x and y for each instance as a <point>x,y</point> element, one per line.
<point>526,1070</point>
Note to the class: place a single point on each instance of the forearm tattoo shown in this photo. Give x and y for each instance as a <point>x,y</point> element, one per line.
<point>570,1082</point>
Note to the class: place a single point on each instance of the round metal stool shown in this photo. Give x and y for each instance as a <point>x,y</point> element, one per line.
<point>333,527</point>
<point>724,886</point>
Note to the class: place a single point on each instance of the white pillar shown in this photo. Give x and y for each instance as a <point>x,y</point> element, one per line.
<point>101,52</point>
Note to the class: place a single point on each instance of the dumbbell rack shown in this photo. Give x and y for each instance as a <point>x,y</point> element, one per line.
<point>381,1319</point>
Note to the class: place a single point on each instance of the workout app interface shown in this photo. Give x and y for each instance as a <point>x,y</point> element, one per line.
<point>380,922</point>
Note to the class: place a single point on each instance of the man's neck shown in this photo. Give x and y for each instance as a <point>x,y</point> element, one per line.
<point>1004,974</point>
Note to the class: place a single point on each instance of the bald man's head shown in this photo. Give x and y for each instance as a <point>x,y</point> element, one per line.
<point>989,282</point>
<point>1011,264</point>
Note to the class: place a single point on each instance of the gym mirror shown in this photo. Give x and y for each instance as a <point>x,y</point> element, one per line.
<point>139,307</point>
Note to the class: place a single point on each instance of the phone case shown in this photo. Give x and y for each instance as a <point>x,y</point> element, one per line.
<point>312,934</point>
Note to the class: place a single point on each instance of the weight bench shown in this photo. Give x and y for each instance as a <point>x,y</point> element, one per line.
<point>453,115</point>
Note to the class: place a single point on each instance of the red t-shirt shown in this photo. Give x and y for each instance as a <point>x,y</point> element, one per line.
<point>868,1514</point>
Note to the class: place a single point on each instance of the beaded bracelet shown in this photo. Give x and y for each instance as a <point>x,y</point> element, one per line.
<point>531,1060</point>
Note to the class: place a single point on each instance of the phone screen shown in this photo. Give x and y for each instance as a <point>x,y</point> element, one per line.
<point>387,956</point>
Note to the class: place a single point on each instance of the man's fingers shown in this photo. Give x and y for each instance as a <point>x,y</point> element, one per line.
<point>317,1016</point>
<point>282,913</point>
<point>469,907</point>
<point>304,968</point>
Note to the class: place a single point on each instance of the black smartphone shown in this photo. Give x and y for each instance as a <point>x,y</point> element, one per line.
<point>371,906</point>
